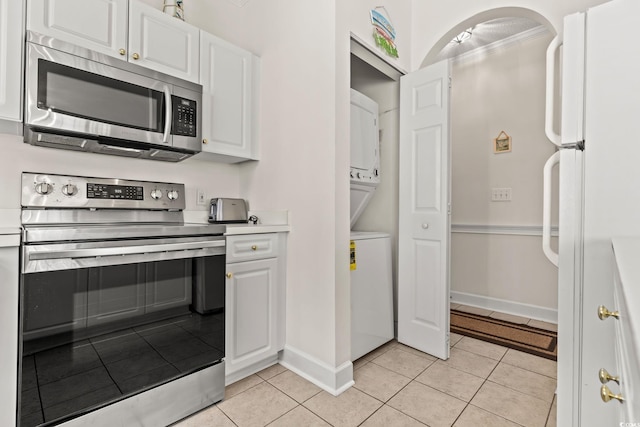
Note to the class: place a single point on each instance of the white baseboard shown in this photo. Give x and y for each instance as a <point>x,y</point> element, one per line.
<point>249,370</point>
<point>332,380</point>
<point>510,307</point>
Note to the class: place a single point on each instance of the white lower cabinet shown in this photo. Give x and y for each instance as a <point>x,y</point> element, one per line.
<point>254,304</point>
<point>9,303</point>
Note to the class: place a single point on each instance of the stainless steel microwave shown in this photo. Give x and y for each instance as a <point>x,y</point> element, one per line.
<point>77,99</point>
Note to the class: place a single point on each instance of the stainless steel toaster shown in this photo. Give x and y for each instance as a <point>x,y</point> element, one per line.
<point>223,210</point>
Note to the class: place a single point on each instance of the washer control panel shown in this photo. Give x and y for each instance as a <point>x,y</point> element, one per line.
<point>64,191</point>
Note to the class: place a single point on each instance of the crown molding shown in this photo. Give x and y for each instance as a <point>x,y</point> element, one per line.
<point>483,51</point>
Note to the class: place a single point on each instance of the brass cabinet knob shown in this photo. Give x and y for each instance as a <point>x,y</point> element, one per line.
<point>229,275</point>
<point>605,377</point>
<point>607,395</point>
<point>122,51</point>
<point>204,141</point>
<point>135,56</point>
<point>254,247</point>
<point>604,313</point>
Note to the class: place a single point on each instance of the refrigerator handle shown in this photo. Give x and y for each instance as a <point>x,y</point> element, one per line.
<point>546,208</point>
<point>550,88</point>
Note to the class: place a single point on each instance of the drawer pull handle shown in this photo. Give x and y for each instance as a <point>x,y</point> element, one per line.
<point>605,377</point>
<point>604,313</point>
<point>229,275</point>
<point>254,247</point>
<point>607,395</point>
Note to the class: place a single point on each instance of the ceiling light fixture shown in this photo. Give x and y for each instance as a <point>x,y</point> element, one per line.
<point>462,37</point>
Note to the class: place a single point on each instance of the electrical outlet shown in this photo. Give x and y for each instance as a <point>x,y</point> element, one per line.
<point>501,194</point>
<point>201,197</point>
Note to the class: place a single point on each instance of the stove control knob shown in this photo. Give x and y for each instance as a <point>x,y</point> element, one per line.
<point>44,188</point>
<point>69,190</point>
<point>156,194</point>
<point>173,195</point>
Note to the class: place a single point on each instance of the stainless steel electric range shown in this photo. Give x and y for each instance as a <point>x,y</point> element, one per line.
<point>112,330</point>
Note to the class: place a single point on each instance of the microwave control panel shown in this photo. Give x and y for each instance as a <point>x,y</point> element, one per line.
<point>184,116</point>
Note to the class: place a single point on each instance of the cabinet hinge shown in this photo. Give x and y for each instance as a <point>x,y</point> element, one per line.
<point>449,82</point>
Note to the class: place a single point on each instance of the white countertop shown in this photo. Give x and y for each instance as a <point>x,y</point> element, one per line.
<point>234,229</point>
<point>9,237</point>
<point>268,222</point>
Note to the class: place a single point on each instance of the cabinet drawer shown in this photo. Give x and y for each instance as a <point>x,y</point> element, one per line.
<point>250,247</point>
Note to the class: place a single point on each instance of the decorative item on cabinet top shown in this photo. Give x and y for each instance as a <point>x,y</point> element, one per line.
<point>384,33</point>
<point>174,8</point>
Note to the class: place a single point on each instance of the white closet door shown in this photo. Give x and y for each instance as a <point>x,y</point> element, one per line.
<point>423,241</point>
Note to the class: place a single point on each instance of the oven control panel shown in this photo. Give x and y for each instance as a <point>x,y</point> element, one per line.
<point>40,190</point>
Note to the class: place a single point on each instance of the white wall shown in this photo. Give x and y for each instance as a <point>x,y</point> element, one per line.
<point>297,47</point>
<point>214,178</point>
<point>501,90</point>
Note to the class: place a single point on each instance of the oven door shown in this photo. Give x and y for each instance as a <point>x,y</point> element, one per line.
<point>103,321</point>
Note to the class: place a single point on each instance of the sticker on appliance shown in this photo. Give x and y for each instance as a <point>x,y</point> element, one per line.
<point>352,257</point>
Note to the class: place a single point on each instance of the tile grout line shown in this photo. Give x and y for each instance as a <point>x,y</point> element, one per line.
<point>481,385</point>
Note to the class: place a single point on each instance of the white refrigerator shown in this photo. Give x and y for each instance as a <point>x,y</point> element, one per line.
<point>599,194</point>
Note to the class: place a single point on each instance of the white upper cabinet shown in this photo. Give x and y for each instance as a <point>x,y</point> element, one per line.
<point>99,25</point>
<point>11,40</point>
<point>125,29</point>
<point>163,43</point>
<point>228,76</point>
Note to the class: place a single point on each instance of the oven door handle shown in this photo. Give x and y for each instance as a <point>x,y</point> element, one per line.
<point>123,250</point>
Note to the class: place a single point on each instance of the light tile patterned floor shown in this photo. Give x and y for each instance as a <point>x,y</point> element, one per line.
<point>481,385</point>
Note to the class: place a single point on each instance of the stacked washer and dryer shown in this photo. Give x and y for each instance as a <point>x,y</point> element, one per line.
<point>371,276</point>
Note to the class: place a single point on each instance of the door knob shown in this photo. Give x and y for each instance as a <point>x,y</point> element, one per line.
<point>607,395</point>
<point>605,377</point>
<point>229,275</point>
<point>254,247</point>
<point>425,225</point>
<point>122,51</point>
<point>135,56</point>
<point>604,313</point>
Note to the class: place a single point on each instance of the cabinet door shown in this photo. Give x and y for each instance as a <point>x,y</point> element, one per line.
<point>168,285</point>
<point>226,76</point>
<point>115,293</point>
<point>11,40</point>
<point>251,304</point>
<point>99,25</point>
<point>163,43</point>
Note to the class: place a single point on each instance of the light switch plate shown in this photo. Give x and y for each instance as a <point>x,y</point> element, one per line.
<point>501,194</point>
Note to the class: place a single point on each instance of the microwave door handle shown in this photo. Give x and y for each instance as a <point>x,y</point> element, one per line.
<point>168,114</point>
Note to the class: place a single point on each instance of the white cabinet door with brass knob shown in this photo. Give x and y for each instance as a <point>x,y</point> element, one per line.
<point>99,25</point>
<point>255,303</point>
<point>125,29</point>
<point>229,79</point>
<point>163,43</point>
